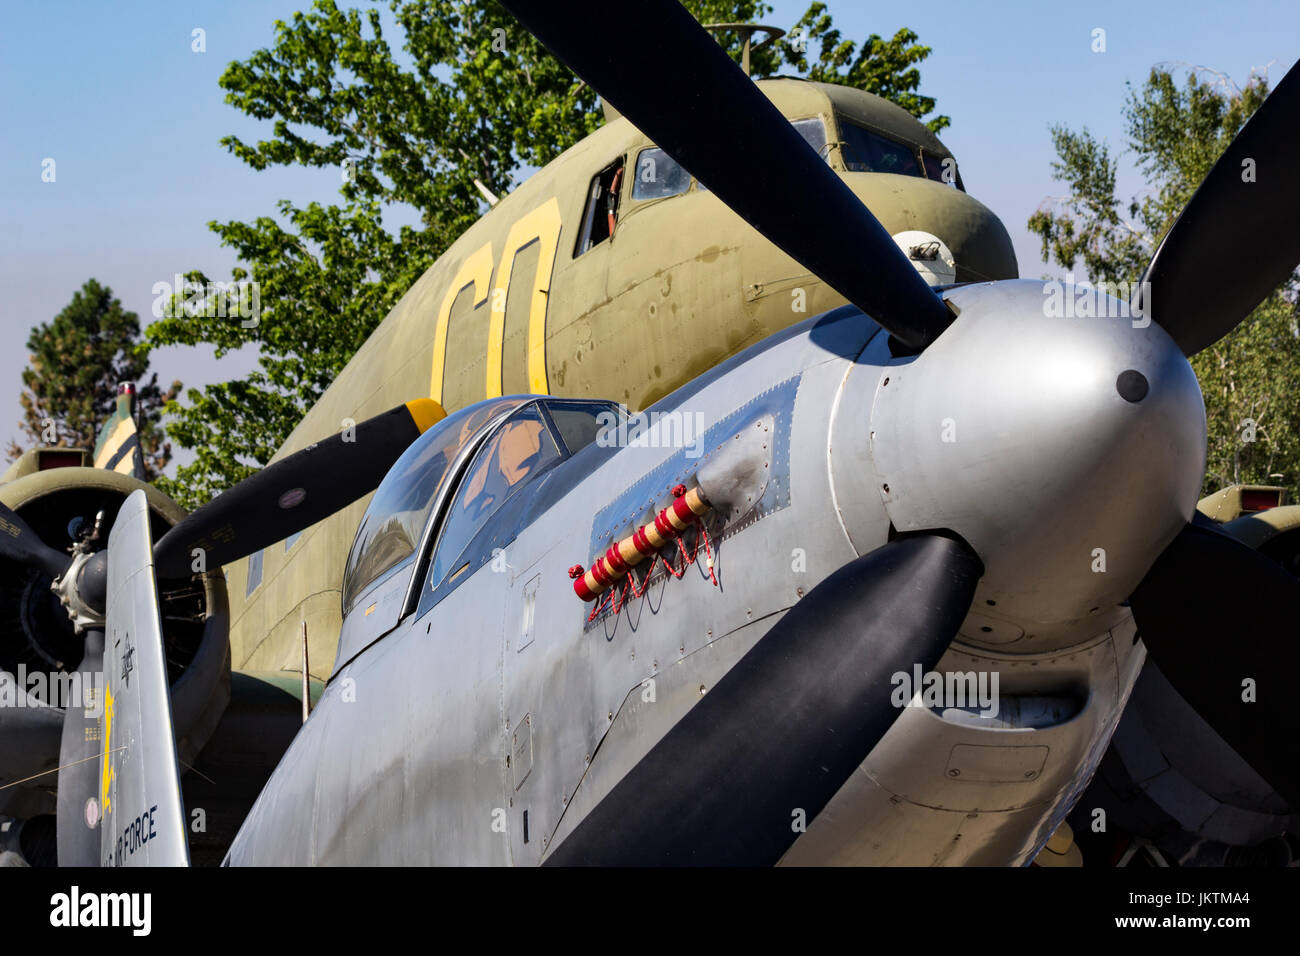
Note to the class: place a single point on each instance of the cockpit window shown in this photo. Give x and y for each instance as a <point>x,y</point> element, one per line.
<point>813,131</point>
<point>254,573</point>
<point>521,449</point>
<point>579,423</point>
<point>868,152</point>
<point>942,170</point>
<point>391,528</point>
<point>658,175</point>
<point>600,214</point>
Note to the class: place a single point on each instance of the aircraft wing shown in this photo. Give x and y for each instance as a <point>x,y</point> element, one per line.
<point>140,796</point>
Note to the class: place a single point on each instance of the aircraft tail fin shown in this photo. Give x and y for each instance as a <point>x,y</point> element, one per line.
<point>143,820</point>
<point>118,448</point>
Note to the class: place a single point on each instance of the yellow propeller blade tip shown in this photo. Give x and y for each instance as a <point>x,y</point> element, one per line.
<point>426,413</point>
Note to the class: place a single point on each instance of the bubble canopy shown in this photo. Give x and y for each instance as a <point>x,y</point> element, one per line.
<point>394,521</point>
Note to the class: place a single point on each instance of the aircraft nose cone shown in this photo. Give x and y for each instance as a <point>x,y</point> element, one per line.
<point>1068,451</point>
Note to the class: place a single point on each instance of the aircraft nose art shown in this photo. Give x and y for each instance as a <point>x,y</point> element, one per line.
<point>1061,436</point>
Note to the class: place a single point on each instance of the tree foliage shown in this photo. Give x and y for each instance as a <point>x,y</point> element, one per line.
<point>1175,133</point>
<point>467,98</point>
<point>76,362</point>
<point>887,68</point>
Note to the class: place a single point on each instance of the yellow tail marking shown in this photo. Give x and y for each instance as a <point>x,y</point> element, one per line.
<point>121,432</point>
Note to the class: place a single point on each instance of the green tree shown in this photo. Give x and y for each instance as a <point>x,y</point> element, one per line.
<point>470,101</point>
<point>1175,134</point>
<point>77,361</point>
<point>887,68</point>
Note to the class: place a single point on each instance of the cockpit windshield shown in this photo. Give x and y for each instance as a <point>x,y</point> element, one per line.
<point>390,530</point>
<point>868,152</point>
<point>520,450</point>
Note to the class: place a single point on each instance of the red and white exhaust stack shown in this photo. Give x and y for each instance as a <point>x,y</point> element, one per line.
<point>647,540</point>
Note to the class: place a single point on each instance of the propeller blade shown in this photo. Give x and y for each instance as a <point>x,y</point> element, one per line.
<point>18,542</point>
<point>679,87</point>
<point>76,828</point>
<point>139,784</point>
<point>30,735</point>
<point>1214,613</point>
<point>1237,240</point>
<point>790,722</point>
<point>294,493</point>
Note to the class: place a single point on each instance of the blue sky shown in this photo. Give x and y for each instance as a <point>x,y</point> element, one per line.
<point>132,117</point>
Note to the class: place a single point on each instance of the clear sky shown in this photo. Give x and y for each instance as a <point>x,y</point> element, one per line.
<point>132,117</point>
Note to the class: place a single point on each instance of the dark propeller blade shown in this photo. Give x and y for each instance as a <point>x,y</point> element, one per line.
<point>29,738</point>
<point>18,542</point>
<point>673,81</point>
<point>1237,239</point>
<point>787,725</point>
<point>295,492</point>
<point>1214,613</point>
<point>79,766</point>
